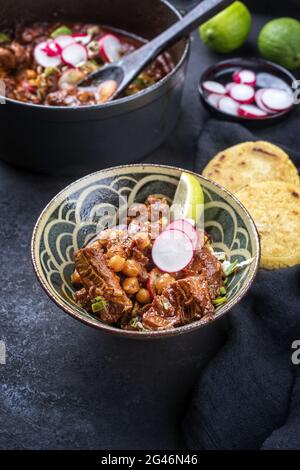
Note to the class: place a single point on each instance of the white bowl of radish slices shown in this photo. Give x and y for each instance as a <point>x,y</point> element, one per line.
<point>248,90</point>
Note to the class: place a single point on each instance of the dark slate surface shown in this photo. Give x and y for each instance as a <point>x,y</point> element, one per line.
<point>68,386</point>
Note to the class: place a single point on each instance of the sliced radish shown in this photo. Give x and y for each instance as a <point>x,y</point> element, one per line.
<point>185,226</point>
<point>43,58</point>
<point>70,77</point>
<point>191,221</point>
<point>63,41</point>
<point>251,111</point>
<point>82,38</point>
<point>213,99</point>
<point>110,48</point>
<point>277,100</point>
<point>259,102</point>
<point>242,93</point>
<point>214,87</point>
<point>228,87</point>
<point>246,77</point>
<point>51,49</point>
<point>229,106</point>
<point>172,251</point>
<point>74,54</point>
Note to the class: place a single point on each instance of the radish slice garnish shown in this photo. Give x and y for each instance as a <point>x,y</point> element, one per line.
<point>186,227</point>
<point>213,99</point>
<point>43,58</point>
<point>251,111</point>
<point>110,48</point>
<point>63,41</point>
<point>259,102</point>
<point>228,87</point>
<point>70,77</point>
<point>51,49</point>
<point>214,87</point>
<point>229,106</point>
<point>277,100</point>
<point>82,38</point>
<point>172,251</point>
<point>191,221</point>
<point>246,77</point>
<point>242,93</point>
<point>74,54</point>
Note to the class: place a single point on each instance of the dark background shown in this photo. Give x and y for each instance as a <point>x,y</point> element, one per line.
<point>65,385</point>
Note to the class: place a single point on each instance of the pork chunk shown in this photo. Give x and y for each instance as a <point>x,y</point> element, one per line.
<point>98,280</point>
<point>183,301</point>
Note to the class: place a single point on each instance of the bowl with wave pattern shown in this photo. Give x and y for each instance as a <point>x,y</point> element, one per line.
<point>79,211</point>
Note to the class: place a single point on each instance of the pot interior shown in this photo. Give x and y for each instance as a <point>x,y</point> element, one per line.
<point>145,18</point>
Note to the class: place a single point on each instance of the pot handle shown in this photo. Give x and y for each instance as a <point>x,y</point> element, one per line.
<point>133,63</point>
<point>196,16</point>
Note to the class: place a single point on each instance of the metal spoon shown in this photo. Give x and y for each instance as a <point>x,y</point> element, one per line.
<point>123,71</point>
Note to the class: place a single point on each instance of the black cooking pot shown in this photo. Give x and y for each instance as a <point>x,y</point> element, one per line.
<point>79,140</point>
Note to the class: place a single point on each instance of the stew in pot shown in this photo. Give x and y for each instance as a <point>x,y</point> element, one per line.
<point>43,63</point>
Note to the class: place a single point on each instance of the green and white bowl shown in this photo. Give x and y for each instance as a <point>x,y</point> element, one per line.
<point>76,214</point>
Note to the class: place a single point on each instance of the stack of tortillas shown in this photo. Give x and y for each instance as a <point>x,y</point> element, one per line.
<point>265,180</point>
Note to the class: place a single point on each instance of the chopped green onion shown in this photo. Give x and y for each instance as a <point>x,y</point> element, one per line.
<point>223,290</point>
<point>242,264</point>
<point>4,38</point>
<point>220,300</point>
<point>98,304</point>
<point>97,307</point>
<point>60,31</point>
<point>225,281</point>
<point>93,46</point>
<point>134,321</point>
<point>229,268</point>
<point>50,71</point>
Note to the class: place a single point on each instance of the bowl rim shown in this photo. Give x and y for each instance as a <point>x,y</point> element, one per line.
<point>141,334</point>
<point>125,99</point>
<point>235,62</point>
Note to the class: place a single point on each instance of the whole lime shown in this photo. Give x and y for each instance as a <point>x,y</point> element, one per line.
<point>279,41</point>
<point>228,30</point>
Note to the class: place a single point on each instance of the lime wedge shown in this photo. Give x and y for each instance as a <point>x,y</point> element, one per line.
<point>61,31</point>
<point>188,201</point>
<point>4,38</point>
